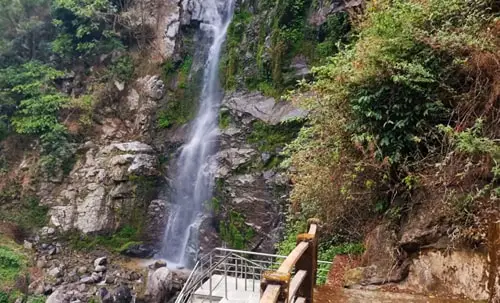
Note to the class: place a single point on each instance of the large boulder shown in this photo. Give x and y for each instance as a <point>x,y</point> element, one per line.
<point>458,273</point>
<point>152,86</point>
<point>102,187</point>
<point>159,287</point>
<point>383,261</point>
<point>67,293</point>
<point>122,294</point>
<point>261,107</point>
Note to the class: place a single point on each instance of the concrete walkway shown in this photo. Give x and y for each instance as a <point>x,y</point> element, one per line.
<point>238,290</point>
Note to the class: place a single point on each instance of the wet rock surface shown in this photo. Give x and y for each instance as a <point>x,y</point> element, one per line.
<point>142,251</point>
<point>249,193</point>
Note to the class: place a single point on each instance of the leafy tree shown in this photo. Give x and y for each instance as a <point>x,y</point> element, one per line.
<point>31,86</point>
<point>26,30</point>
<point>85,28</point>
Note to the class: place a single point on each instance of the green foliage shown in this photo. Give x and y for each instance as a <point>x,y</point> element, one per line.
<point>224,119</point>
<point>4,126</point>
<point>411,181</point>
<point>122,69</point>
<point>230,63</point>
<point>57,154</point>
<point>11,265</point>
<point>289,241</point>
<point>235,232</point>
<point>25,30</point>
<point>162,121</point>
<point>167,68</point>
<point>36,299</point>
<point>287,36</point>
<point>276,33</point>
<point>4,166</point>
<point>377,103</point>
<point>4,297</point>
<point>334,32</point>
<point>27,213</point>
<point>270,137</point>
<point>215,205</point>
<point>31,85</point>
<point>116,242</point>
<point>85,28</point>
<point>470,141</point>
<point>326,251</point>
<point>182,103</point>
<point>32,29</point>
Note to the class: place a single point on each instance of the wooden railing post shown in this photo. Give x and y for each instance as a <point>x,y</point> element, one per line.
<point>278,286</point>
<point>494,261</point>
<point>278,279</point>
<point>308,262</point>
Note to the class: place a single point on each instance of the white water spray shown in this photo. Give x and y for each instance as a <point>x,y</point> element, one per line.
<point>193,184</point>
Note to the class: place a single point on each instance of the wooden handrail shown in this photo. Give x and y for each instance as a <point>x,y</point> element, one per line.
<point>271,293</point>
<point>313,229</point>
<point>278,286</point>
<point>295,284</point>
<point>293,257</point>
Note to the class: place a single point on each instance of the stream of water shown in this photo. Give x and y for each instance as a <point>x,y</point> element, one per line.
<point>193,183</point>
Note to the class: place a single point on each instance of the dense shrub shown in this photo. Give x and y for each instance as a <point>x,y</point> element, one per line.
<point>11,264</point>
<point>32,87</point>
<point>376,106</point>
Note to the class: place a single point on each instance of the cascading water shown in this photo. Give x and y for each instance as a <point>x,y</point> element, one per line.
<point>192,186</point>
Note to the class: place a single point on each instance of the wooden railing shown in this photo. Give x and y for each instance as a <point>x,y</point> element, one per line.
<point>280,286</point>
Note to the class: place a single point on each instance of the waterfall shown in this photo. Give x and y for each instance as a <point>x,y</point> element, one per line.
<point>193,183</point>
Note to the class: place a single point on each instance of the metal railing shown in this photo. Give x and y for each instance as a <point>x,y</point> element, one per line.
<point>246,267</point>
<point>295,279</point>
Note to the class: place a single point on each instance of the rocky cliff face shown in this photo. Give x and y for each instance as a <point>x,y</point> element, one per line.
<point>121,176</point>
<point>114,178</point>
<point>118,171</point>
<point>104,189</point>
<point>251,189</point>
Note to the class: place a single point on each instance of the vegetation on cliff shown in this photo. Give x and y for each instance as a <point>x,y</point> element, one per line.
<point>40,43</point>
<point>13,264</point>
<point>274,36</point>
<point>404,114</point>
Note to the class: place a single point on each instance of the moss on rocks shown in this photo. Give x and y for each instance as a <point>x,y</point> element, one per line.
<point>235,231</point>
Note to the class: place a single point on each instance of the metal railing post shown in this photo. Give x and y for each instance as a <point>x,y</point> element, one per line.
<point>225,280</point>
<point>236,272</point>
<point>253,278</point>
<point>245,276</point>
